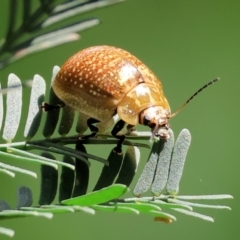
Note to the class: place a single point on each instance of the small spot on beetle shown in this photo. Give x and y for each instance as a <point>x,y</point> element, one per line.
<point>111,65</point>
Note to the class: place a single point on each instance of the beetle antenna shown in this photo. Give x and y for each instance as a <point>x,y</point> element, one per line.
<point>194,95</point>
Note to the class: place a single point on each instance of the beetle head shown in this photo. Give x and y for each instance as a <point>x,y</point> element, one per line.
<point>156,117</point>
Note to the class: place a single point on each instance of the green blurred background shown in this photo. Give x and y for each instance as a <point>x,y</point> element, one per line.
<point>186,43</point>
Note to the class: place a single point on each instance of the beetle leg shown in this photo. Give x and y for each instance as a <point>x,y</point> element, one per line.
<point>46,107</point>
<point>117,128</point>
<point>130,128</point>
<point>93,128</point>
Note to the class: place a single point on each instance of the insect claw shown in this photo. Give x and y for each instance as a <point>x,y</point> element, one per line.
<point>118,150</point>
<point>46,107</point>
<point>92,135</point>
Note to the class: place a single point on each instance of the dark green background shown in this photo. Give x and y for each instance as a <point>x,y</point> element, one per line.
<point>186,43</point>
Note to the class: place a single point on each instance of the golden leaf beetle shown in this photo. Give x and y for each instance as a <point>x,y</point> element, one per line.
<point>103,81</point>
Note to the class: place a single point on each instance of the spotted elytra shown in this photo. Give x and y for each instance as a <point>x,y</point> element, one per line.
<point>103,81</point>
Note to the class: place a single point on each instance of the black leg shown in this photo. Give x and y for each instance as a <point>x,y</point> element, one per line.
<point>93,128</point>
<point>118,127</point>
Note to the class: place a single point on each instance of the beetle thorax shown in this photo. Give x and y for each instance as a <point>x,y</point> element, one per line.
<point>156,117</point>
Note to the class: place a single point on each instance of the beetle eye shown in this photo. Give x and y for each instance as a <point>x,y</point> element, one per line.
<point>143,120</point>
<point>152,125</point>
<point>148,122</point>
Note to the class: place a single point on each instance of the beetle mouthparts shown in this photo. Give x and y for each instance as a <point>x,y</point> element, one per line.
<point>161,132</point>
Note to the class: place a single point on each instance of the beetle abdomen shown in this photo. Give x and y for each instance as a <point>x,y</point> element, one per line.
<point>82,102</point>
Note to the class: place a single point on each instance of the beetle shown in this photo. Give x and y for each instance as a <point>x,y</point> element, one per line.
<point>102,81</point>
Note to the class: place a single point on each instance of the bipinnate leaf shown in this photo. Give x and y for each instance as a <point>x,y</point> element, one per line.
<point>49,178</point>
<point>162,170</point>
<point>81,173</point>
<point>1,108</point>
<point>178,160</point>
<point>67,119</point>
<point>34,112</point>
<point>6,231</point>
<point>25,198</point>
<point>52,116</point>
<point>129,166</point>
<point>110,172</point>
<point>66,180</point>
<point>14,107</point>
<point>98,197</point>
